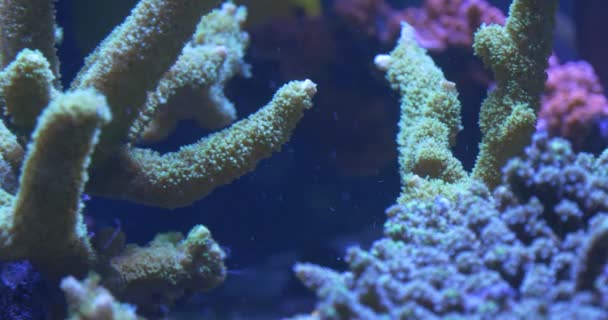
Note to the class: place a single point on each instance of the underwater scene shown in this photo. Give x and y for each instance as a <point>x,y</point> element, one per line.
<point>303,159</point>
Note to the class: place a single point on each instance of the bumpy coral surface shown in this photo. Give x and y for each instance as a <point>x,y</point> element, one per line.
<point>534,249</point>
<point>55,142</point>
<point>89,301</point>
<point>573,105</point>
<point>439,24</point>
<point>443,23</point>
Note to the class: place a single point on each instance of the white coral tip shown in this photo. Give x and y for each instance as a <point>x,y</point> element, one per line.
<point>383,61</point>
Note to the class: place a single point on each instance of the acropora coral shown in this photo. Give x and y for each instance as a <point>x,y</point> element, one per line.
<point>517,53</point>
<point>56,143</point>
<point>521,237</point>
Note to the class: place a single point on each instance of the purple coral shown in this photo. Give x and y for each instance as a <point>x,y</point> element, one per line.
<point>535,248</point>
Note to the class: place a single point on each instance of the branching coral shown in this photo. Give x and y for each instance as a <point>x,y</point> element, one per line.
<point>531,245</point>
<point>430,120</point>
<point>52,141</point>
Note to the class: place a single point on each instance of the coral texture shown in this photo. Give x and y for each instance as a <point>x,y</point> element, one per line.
<point>573,105</point>
<point>439,24</point>
<point>430,119</point>
<point>166,62</point>
<point>534,249</point>
<point>89,301</point>
<point>522,237</point>
<point>22,291</point>
<point>450,23</point>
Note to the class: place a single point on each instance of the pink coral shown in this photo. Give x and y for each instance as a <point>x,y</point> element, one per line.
<point>443,23</point>
<point>573,102</point>
<point>438,23</point>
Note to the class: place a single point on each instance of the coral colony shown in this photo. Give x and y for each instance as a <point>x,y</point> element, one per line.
<point>58,142</point>
<point>523,235</point>
<point>520,237</point>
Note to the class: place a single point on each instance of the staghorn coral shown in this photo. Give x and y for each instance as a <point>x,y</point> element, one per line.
<point>517,54</point>
<point>529,246</point>
<point>188,89</point>
<point>430,116</point>
<point>430,108</point>
<point>56,144</point>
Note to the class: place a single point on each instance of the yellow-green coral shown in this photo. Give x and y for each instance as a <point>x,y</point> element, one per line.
<point>179,178</point>
<point>430,119</point>
<point>26,87</point>
<point>160,272</point>
<point>517,53</point>
<point>45,222</point>
<point>28,24</point>
<point>430,111</point>
<point>132,59</point>
<point>194,86</point>
<point>86,131</point>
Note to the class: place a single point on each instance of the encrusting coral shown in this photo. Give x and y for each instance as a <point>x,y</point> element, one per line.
<point>55,144</point>
<point>534,249</point>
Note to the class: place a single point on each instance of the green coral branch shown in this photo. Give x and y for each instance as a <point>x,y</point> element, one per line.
<point>132,59</point>
<point>178,178</point>
<point>430,119</point>
<point>11,151</point>
<point>51,142</point>
<point>46,224</point>
<point>517,53</point>
<point>160,272</point>
<point>194,86</point>
<point>26,87</point>
<point>28,24</point>
<point>430,110</point>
